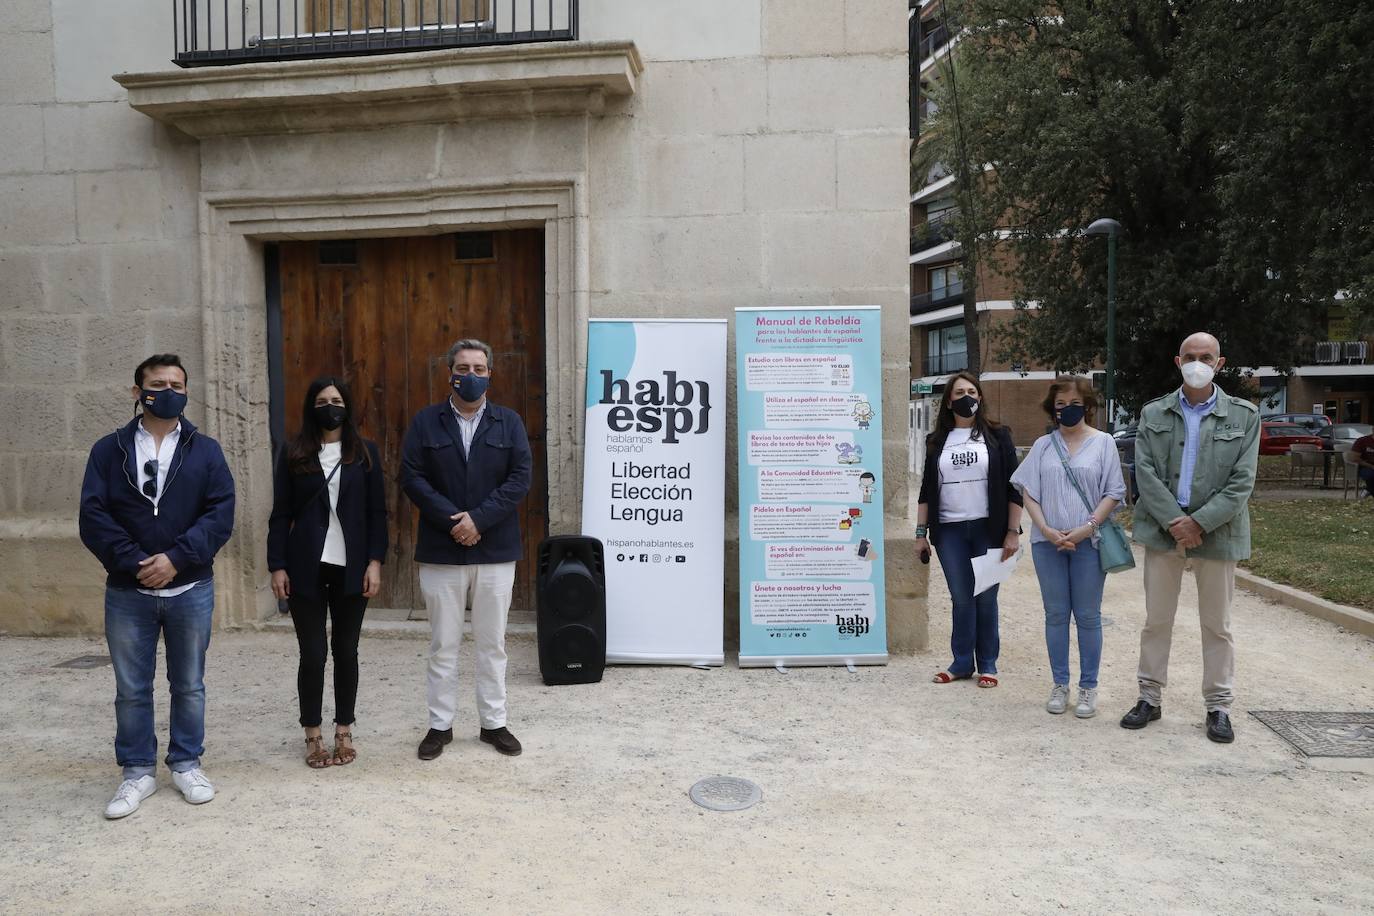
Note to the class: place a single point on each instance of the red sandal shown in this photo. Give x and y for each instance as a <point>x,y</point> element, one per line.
<point>944,677</point>
<point>987,680</point>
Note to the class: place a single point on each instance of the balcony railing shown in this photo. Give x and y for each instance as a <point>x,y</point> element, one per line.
<point>936,229</point>
<point>210,32</point>
<point>936,39</point>
<point>946,363</point>
<point>937,298</point>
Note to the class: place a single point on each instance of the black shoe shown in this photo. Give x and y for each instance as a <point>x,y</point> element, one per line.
<point>433,744</point>
<point>1219,727</point>
<point>502,740</point>
<point>1141,715</point>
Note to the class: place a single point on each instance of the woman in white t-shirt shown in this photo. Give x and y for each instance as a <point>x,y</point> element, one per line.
<point>1064,539</point>
<point>326,541</point>
<point>968,507</point>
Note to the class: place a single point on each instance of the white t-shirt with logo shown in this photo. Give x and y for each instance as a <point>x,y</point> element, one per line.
<point>963,477</point>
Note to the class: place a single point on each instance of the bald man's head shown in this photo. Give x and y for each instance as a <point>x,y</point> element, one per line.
<point>1200,342</point>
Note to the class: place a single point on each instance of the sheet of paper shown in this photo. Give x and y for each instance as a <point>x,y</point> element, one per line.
<point>989,570</point>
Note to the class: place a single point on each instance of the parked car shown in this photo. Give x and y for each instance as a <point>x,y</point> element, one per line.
<point>1343,434</point>
<point>1279,438</point>
<point>1312,422</point>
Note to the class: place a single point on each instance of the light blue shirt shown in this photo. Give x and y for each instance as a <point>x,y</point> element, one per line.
<point>1192,419</point>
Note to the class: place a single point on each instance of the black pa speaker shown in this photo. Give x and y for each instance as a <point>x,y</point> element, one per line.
<point>571,616</point>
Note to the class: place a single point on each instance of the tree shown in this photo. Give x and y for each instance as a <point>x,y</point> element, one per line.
<point>1218,133</point>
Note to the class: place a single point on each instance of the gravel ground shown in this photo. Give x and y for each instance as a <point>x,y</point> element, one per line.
<point>881,791</point>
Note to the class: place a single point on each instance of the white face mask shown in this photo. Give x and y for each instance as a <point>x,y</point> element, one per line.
<point>1196,374</point>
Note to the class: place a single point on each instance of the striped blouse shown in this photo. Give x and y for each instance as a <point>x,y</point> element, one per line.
<point>1096,466</point>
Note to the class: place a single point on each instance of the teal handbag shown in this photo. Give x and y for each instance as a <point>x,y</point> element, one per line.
<point>1113,548</point>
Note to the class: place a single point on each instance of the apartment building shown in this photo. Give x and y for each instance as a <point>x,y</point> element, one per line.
<point>939,339</point>
<point>1334,376</point>
<point>278,188</point>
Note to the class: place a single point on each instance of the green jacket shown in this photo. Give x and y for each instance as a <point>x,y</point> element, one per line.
<point>1223,478</point>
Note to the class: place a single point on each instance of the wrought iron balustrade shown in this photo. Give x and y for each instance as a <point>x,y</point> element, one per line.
<point>216,32</point>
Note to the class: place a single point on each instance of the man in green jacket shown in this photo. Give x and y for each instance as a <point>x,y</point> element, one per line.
<point>1195,457</point>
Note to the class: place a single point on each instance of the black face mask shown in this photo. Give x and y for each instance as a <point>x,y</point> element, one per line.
<point>1071,415</point>
<point>330,416</point>
<point>966,406</point>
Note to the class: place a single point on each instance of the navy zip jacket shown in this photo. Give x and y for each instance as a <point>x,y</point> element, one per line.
<point>300,521</point>
<point>487,484</point>
<point>194,516</point>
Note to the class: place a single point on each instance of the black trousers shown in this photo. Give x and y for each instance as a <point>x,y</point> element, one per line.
<point>309,614</point>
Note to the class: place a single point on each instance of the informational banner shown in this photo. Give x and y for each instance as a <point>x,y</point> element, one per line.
<point>809,384</point>
<point>653,490</point>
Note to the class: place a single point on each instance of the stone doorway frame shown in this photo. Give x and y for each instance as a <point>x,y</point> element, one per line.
<point>235,226</point>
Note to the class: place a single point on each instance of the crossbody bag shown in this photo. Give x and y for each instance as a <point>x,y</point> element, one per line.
<point>1113,548</point>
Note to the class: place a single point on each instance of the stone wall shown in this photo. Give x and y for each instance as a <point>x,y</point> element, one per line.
<point>761,160</point>
<point>98,267</point>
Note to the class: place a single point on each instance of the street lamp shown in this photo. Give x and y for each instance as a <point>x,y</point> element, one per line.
<point>1111,229</point>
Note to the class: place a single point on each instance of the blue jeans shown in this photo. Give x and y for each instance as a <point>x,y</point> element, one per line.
<point>1071,583</point>
<point>973,640</point>
<point>133,622</point>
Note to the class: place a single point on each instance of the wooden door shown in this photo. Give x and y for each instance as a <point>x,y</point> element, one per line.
<point>382,313</point>
<point>360,15</point>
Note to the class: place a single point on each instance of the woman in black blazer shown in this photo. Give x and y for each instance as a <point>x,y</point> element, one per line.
<point>967,507</point>
<point>325,544</point>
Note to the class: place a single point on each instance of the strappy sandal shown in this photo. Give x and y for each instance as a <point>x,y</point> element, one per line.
<point>987,680</point>
<point>944,677</point>
<point>344,755</point>
<point>316,757</point>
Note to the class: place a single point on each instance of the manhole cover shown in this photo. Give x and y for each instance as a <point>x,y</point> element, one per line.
<point>85,661</point>
<point>725,793</point>
<point>1323,734</point>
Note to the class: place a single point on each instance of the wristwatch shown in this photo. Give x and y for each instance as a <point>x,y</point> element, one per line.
<point>921,531</point>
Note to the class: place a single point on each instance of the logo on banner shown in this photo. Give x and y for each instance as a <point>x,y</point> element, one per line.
<point>851,626</point>
<point>675,407</point>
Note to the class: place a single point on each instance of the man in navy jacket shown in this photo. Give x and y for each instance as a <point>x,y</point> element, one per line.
<point>466,466</point>
<point>157,503</point>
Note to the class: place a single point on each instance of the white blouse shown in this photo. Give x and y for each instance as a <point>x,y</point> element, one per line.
<point>1096,466</point>
<point>331,453</point>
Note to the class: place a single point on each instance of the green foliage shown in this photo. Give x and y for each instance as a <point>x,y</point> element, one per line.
<point>1232,140</point>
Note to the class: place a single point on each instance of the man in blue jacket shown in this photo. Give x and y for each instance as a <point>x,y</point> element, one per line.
<point>466,464</point>
<point>157,503</point>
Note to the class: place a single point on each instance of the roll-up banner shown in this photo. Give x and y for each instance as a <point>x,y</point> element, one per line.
<point>653,490</point>
<point>810,486</point>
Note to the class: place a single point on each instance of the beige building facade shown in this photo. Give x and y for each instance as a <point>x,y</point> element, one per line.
<point>680,160</point>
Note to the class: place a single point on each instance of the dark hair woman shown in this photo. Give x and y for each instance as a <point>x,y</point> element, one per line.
<point>325,544</point>
<point>967,507</point>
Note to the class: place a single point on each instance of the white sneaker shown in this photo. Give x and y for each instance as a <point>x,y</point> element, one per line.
<point>1087,703</point>
<point>193,785</point>
<point>129,796</point>
<point>1059,699</point>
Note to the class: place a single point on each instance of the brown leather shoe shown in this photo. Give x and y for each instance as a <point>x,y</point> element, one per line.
<point>433,744</point>
<point>502,740</point>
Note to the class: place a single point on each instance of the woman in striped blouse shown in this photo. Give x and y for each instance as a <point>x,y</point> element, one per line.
<point>1065,537</point>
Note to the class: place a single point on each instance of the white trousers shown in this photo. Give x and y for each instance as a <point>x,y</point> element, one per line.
<point>447,591</point>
